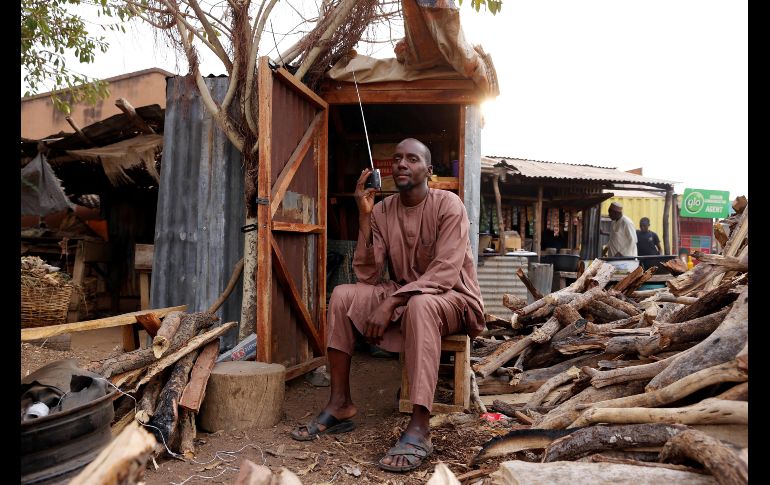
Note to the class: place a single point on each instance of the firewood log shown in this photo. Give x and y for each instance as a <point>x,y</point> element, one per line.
<point>531,380</point>
<point>711,302</point>
<point>708,411</point>
<point>720,234</point>
<point>667,311</point>
<point>580,343</point>
<point>568,412</point>
<point>743,358</point>
<point>630,278</point>
<point>645,372</point>
<point>123,461</point>
<point>194,344</point>
<point>513,302</point>
<point>166,416</point>
<point>604,458</point>
<point>642,345</point>
<point>146,405</point>
<point>569,375</point>
<point>599,438</point>
<point>721,346</point>
<point>530,287</point>
<point>605,328</point>
<point>518,440</point>
<point>691,330</point>
<point>693,279</point>
<point>730,263</point>
<point>739,392</point>
<point>578,286</point>
<point>727,372</point>
<point>605,313</point>
<point>162,340</point>
<point>723,462</point>
<point>624,306</point>
<point>136,359</point>
<point>149,322</point>
<point>641,280</point>
<point>517,472</point>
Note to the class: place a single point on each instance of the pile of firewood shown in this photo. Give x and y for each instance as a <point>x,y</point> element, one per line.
<point>168,379</point>
<point>657,379</point>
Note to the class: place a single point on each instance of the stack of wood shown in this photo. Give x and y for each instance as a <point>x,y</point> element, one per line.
<point>168,379</point>
<point>654,379</point>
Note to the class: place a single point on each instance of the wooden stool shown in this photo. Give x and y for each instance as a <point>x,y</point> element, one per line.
<point>460,345</point>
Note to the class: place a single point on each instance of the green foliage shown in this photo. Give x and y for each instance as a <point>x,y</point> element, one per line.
<point>493,6</point>
<point>49,30</point>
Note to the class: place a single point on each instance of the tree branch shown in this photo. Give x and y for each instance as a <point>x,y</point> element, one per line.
<point>218,50</point>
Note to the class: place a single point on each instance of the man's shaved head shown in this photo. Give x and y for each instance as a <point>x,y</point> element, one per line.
<point>425,149</point>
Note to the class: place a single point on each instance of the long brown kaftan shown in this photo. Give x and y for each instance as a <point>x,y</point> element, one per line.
<point>428,257</point>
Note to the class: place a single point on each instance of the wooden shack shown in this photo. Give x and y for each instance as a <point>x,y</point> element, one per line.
<point>312,149</point>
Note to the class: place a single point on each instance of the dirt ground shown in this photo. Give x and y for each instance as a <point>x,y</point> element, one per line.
<point>339,459</point>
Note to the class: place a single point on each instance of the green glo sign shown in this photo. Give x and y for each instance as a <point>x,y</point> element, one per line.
<point>708,204</point>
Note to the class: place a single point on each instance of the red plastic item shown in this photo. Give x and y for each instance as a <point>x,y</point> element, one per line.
<point>492,417</point>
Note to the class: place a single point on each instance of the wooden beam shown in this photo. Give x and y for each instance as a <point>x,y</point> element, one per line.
<point>499,207</point>
<point>322,162</point>
<point>305,367</point>
<point>291,167</point>
<point>461,152</point>
<point>295,299</point>
<point>666,219</point>
<point>28,334</point>
<point>79,131</point>
<point>137,120</point>
<point>538,221</point>
<point>301,88</point>
<point>193,393</point>
<point>674,226</point>
<point>264,236</point>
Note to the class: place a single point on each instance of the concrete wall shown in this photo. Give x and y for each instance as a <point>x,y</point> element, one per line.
<point>39,118</point>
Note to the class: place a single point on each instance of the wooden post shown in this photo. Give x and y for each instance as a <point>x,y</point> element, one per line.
<point>79,131</point>
<point>538,221</point>
<point>579,235</point>
<point>569,230</point>
<point>264,251</point>
<point>523,225</point>
<point>666,213</point>
<point>499,205</point>
<point>78,271</point>
<point>674,226</point>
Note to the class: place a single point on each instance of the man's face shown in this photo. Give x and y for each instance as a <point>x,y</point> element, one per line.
<point>644,226</point>
<point>410,166</point>
<point>614,213</point>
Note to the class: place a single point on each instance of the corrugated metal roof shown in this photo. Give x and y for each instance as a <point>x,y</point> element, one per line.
<point>200,208</point>
<point>552,170</point>
<point>497,276</point>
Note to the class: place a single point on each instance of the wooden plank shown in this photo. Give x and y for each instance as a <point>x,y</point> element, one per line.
<point>281,226</point>
<point>536,238</point>
<point>305,367</point>
<point>78,271</point>
<point>195,390</point>
<point>301,88</point>
<point>444,184</point>
<point>28,334</point>
<point>322,160</point>
<point>461,153</point>
<point>295,160</point>
<point>405,406</point>
<point>143,254</point>
<point>295,300</point>
<point>144,290</point>
<point>454,343</point>
<point>419,85</point>
<point>407,95</point>
<point>264,237</point>
<point>130,337</point>
<point>133,116</point>
<point>462,386</point>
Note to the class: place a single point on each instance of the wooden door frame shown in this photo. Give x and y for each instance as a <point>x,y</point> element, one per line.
<point>269,255</point>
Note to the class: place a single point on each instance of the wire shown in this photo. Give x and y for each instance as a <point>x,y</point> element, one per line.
<point>366,133</point>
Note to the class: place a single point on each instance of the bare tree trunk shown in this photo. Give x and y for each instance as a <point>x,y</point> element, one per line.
<point>724,463</point>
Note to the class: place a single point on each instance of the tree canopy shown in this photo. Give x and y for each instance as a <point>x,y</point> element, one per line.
<point>49,31</point>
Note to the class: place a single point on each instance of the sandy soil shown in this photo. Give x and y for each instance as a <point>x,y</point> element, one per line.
<point>374,385</point>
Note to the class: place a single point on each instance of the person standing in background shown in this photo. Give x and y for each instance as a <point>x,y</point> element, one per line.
<point>622,233</point>
<point>648,243</point>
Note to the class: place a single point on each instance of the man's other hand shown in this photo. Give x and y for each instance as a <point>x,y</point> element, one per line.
<point>378,321</point>
<point>364,197</point>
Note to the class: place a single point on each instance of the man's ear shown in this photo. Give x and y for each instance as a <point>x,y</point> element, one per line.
<point>430,170</point>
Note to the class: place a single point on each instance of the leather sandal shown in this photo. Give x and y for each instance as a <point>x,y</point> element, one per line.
<point>413,448</point>
<point>333,426</point>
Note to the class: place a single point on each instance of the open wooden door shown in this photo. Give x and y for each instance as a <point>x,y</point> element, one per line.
<point>291,217</point>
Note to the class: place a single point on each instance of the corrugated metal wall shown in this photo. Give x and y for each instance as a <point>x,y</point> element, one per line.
<point>638,207</point>
<point>200,208</point>
<point>497,276</point>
